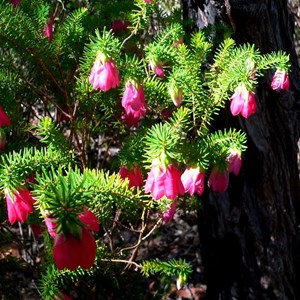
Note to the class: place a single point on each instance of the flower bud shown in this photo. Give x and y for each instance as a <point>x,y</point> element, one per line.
<point>176,95</point>
<point>181,280</point>
<point>234,161</point>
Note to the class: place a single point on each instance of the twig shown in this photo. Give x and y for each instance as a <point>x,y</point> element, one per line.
<point>123,261</point>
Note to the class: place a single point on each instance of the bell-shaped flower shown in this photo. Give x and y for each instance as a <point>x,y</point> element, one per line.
<point>4,119</point>
<point>104,74</point>
<point>157,69</point>
<point>77,247</point>
<point>134,176</point>
<point>51,226</point>
<point>218,180</point>
<point>234,160</point>
<point>193,181</point>
<point>148,1</point>
<point>119,25</point>
<point>176,95</point>
<point>243,102</point>
<point>48,29</point>
<point>71,251</point>
<point>164,182</point>
<point>19,205</point>
<point>168,215</point>
<point>280,81</point>
<point>134,103</point>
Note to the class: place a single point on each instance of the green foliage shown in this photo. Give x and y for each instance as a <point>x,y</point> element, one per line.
<point>15,167</point>
<point>53,137</point>
<point>76,137</point>
<point>173,267</point>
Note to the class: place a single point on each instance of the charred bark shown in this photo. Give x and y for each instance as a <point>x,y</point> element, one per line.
<point>250,234</point>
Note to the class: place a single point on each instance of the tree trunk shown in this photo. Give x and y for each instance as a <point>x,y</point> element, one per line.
<point>250,234</point>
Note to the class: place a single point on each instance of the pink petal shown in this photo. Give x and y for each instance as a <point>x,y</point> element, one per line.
<point>249,107</point>
<point>89,219</point>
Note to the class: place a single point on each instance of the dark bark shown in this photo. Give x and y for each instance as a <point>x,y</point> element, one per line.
<point>250,235</point>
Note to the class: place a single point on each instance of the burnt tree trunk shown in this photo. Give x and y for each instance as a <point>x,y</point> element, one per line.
<point>250,234</point>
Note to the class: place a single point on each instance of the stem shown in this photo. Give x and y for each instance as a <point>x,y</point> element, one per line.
<point>123,261</point>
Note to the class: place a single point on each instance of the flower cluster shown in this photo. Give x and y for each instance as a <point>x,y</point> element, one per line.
<point>243,101</point>
<point>167,181</point>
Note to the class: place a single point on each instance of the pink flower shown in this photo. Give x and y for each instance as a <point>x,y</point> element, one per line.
<point>118,25</point>
<point>15,3</point>
<point>161,182</point>
<point>176,95</point>
<point>168,215</point>
<point>193,181</point>
<point>166,113</point>
<point>243,102</point>
<point>280,81</point>
<point>4,119</point>
<point>218,181</point>
<point>157,69</point>
<point>234,162</point>
<point>134,104</point>
<point>104,75</point>
<point>51,226</point>
<point>71,252</point>
<point>90,220</point>
<point>19,206</point>
<point>48,29</point>
<point>134,176</point>
<point>148,1</point>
